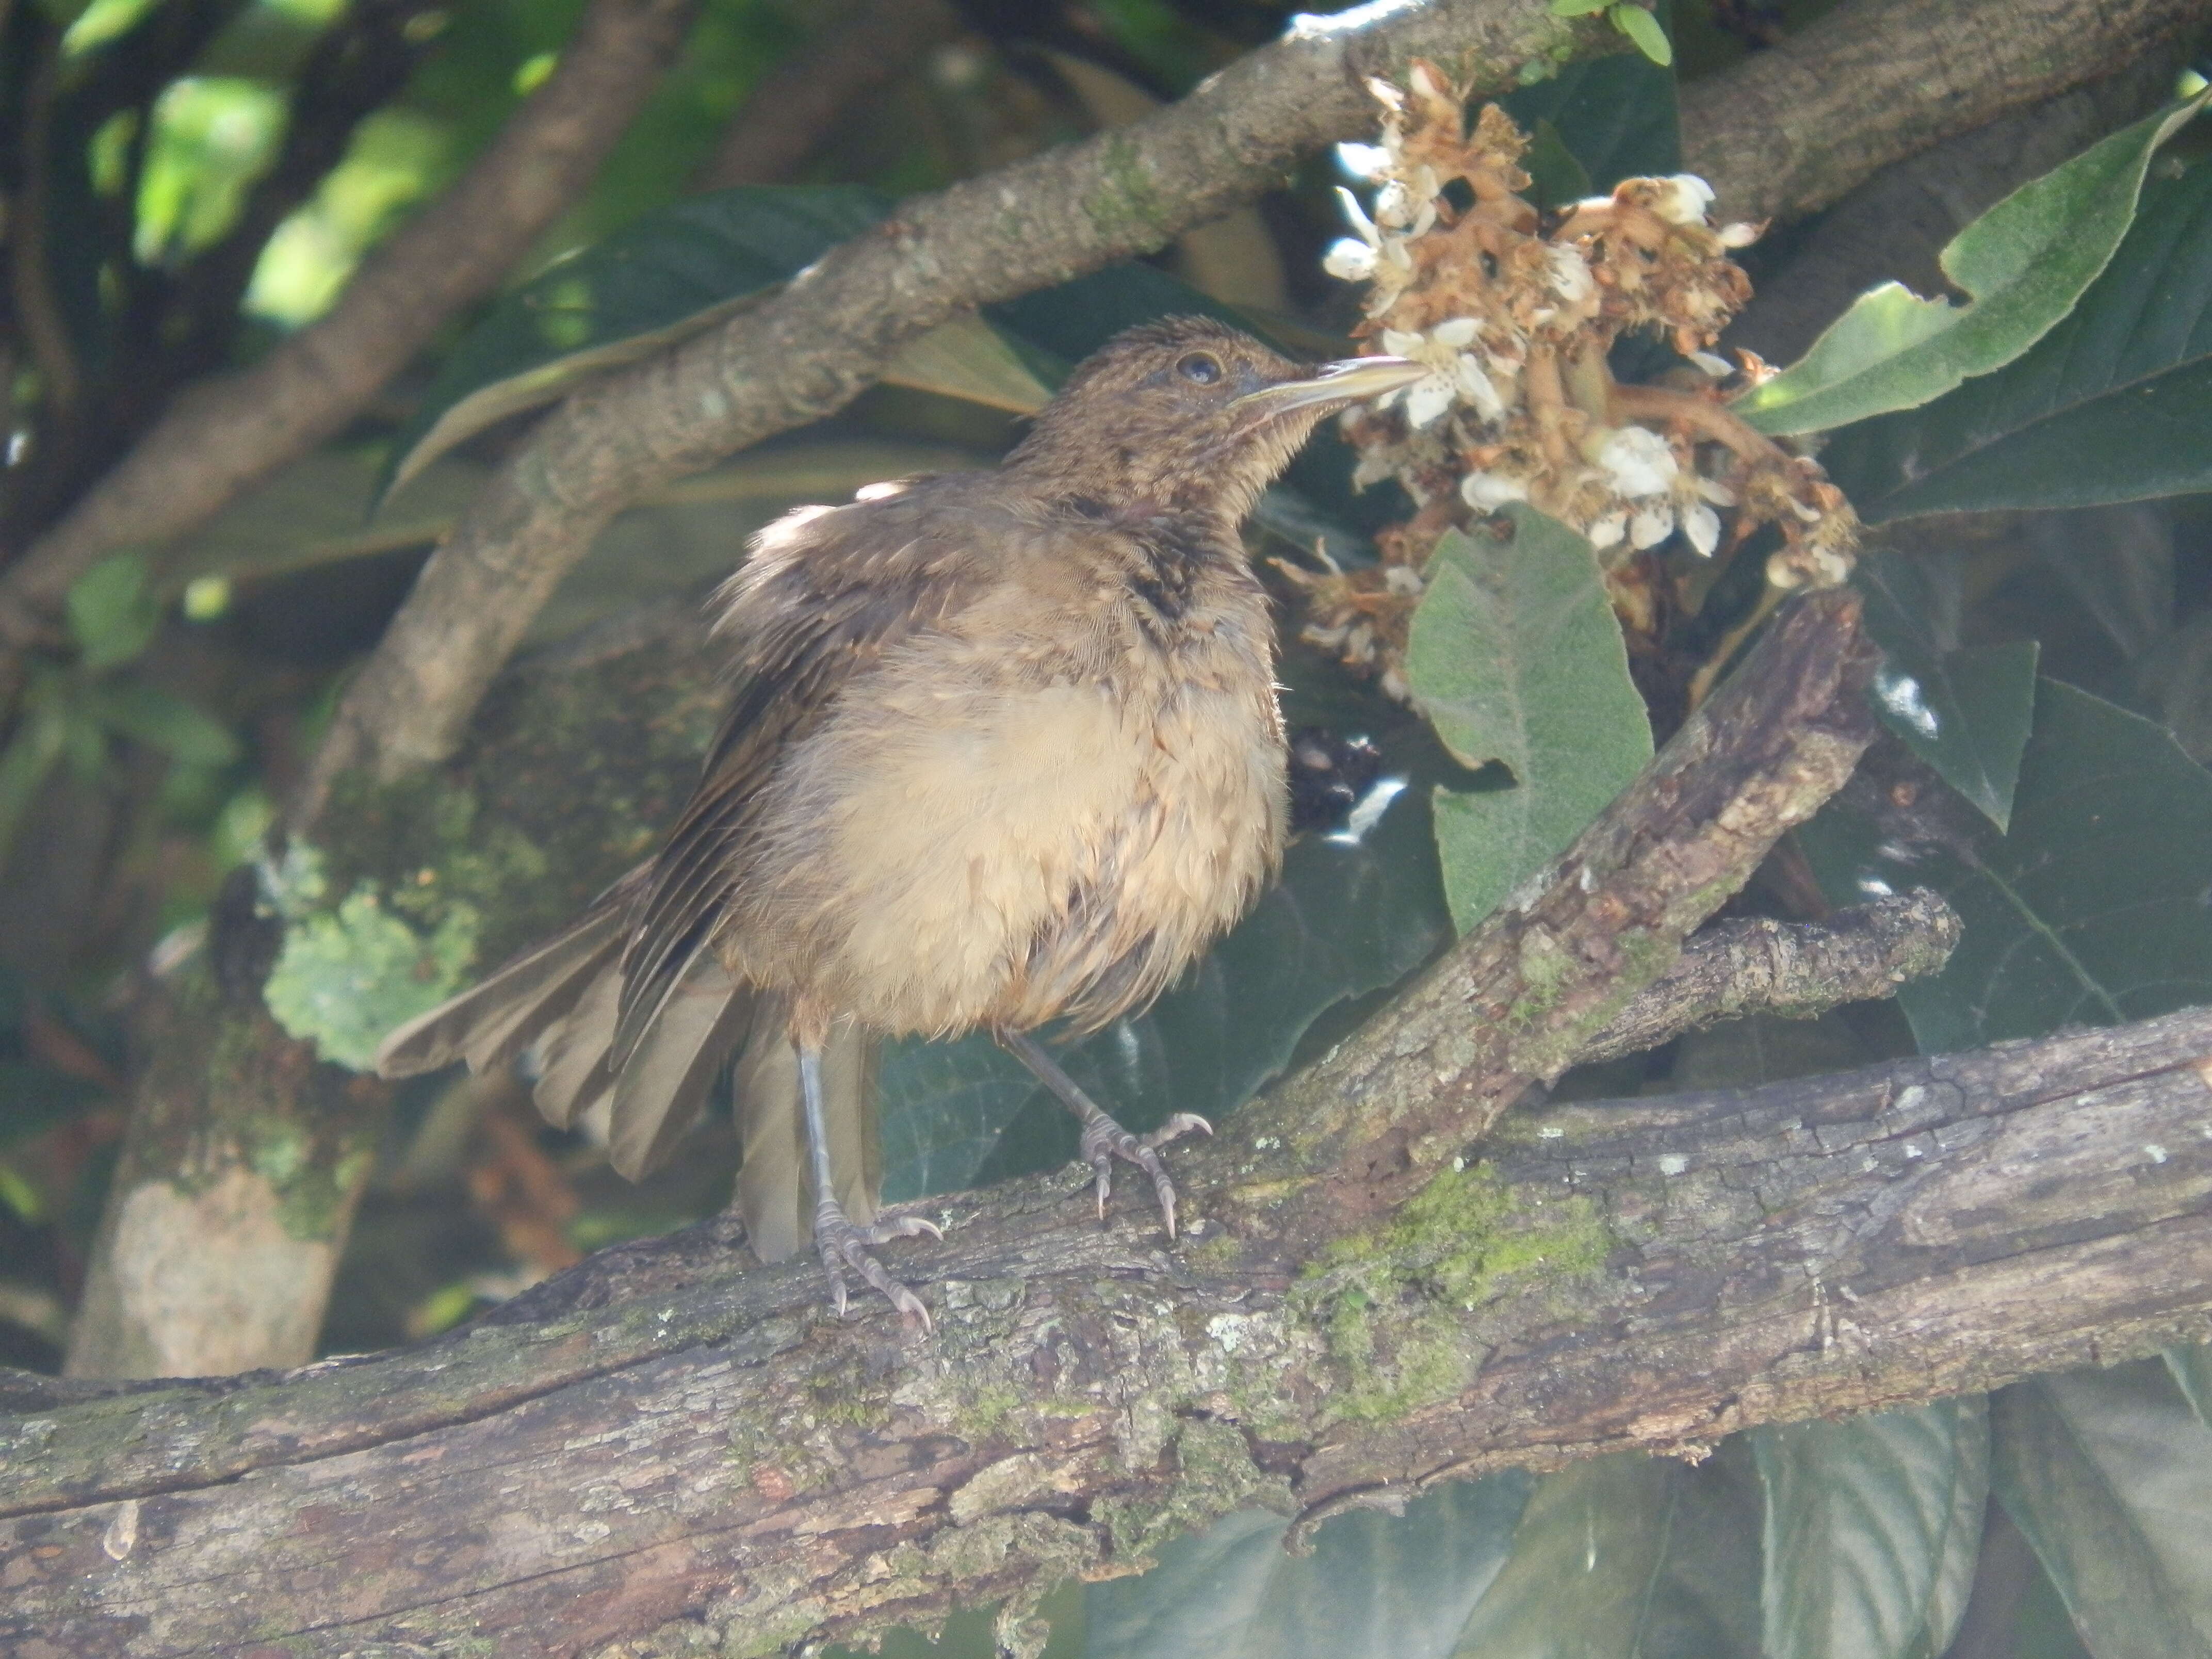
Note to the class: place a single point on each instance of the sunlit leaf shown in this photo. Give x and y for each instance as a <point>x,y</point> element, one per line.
<point>1515,657</point>
<point>112,612</point>
<point>1641,26</point>
<point>2114,404</point>
<point>2091,909</point>
<point>675,272</point>
<point>1873,1528</point>
<point>1376,1586</point>
<point>2023,264</point>
<point>2110,1475</point>
<point>1965,710</point>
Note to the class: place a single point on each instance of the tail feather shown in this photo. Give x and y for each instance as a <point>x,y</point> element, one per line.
<point>775,1189</point>
<point>573,1074</point>
<point>664,1081</point>
<point>492,1024</point>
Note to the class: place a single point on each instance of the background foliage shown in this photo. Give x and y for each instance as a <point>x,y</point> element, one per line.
<point>2048,683</point>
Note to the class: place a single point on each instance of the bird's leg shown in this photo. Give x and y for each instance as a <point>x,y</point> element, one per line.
<point>840,1244</point>
<point>1103,1139</point>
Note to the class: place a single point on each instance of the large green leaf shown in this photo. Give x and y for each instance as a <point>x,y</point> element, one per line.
<point>2089,910</point>
<point>1515,657</point>
<point>112,612</point>
<point>2110,1475</point>
<point>674,272</point>
<point>1375,1587</point>
<point>1963,709</point>
<point>2114,404</point>
<point>163,721</point>
<point>2023,264</point>
<point>1625,1557</point>
<point>1873,1528</point>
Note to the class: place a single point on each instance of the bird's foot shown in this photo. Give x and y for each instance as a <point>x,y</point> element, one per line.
<point>1104,1140</point>
<point>844,1246</point>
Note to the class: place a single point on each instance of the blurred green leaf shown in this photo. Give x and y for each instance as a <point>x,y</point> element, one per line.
<point>2114,404</point>
<point>1614,115</point>
<point>675,272</point>
<point>1375,1587</point>
<point>1555,177</point>
<point>2023,264</point>
<point>2091,909</point>
<point>1964,710</point>
<point>2110,1475</point>
<point>1624,1557</point>
<point>1515,657</point>
<point>1874,1526</point>
<point>112,612</point>
<point>41,735</point>
<point>1641,26</point>
<point>163,721</point>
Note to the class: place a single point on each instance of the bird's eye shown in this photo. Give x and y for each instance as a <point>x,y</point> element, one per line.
<point>1202,367</point>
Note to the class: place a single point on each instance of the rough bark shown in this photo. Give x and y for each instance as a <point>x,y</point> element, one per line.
<point>723,1464</point>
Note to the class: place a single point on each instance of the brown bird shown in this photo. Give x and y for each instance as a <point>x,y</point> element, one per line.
<point>1002,751</point>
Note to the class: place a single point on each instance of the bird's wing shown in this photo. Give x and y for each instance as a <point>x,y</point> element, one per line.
<point>823,595</point>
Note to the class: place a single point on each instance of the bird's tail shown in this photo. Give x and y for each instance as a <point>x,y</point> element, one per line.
<point>561,999</point>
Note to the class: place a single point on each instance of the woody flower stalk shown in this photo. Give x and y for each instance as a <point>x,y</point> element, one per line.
<point>1515,312</point>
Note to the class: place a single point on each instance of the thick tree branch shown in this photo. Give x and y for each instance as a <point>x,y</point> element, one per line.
<point>1795,127</point>
<point>225,434</point>
<point>725,1461</point>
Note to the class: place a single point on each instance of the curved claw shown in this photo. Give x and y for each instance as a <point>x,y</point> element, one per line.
<point>1104,1140</point>
<point>843,1245</point>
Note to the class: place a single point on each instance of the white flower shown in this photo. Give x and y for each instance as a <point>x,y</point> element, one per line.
<point>1369,161</point>
<point>1718,367</point>
<point>1715,491</point>
<point>1486,492</point>
<point>1652,525</point>
<point>1351,261</point>
<point>1455,373</point>
<point>1739,235</point>
<point>1701,525</point>
<point>1395,206</point>
<point>1606,529</point>
<point>1571,273</point>
<point>1683,199</point>
<point>1639,463</point>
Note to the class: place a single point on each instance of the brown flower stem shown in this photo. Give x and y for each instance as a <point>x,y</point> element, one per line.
<point>1547,402</point>
<point>1704,417</point>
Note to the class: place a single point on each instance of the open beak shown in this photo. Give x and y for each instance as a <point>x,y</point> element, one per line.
<point>1333,385</point>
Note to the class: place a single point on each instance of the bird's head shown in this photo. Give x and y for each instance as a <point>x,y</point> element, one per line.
<point>1188,415</point>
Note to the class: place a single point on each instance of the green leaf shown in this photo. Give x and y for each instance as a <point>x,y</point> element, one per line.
<point>1555,177</point>
<point>1874,1526</point>
<point>1515,656</point>
<point>163,721</point>
<point>1375,1587</point>
<point>676,271</point>
<point>112,612</point>
<point>2023,264</point>
<point>1964,710</point>
<point>1641,26</point>
<point>1625,1557</point>
<point>2091,909</point>
<point>2114,404</point>
<point>1615,115</point>
<point>41,736</point>
<point>2110,1475</point>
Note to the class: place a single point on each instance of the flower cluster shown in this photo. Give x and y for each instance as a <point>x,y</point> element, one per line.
<point>1514,313</point>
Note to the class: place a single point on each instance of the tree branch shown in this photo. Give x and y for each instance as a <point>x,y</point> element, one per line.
<point>1795,970</point>
<point>227,434</point>
<point>1793,128</point>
